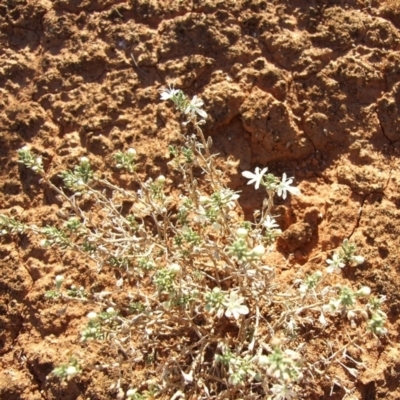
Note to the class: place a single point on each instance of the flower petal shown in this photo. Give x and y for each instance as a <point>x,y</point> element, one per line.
<point>202,113</point>
<point>248,174</point>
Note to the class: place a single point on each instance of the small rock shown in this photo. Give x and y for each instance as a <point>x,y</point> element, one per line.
<point>295,236</point>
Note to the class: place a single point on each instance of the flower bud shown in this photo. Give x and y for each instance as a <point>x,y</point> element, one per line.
<point>364,291</point>
<point>242,232</point>
<point>131,151</point>
<point>200,219</point>
<point>364,314</point>
<point>71,370</point>
<point>318,274</point>
<point>258,251</point>
<point>175,268</point>
<point>203,199</point>
<point>351,315</point>
<point>358,259</point>
<point>110,310</point>
<point>80,183</point>
<point>216,226</point>
<point>161,179</point>
<point>59,279</point>
<point>92,316</point>
<point>263,360</point>
<point>322,320</point>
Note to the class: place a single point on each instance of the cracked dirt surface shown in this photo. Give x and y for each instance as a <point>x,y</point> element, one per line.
<point>310,88</point>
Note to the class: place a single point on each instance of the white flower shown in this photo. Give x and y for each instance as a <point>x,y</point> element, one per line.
<point>303,288</point>
<point>201,217</point>
<point>229,197</point>
<point>282,392</point>
<point>131,151</point>
<point>333,307</point>
<point>285,187</point>
<point>335,264</point>
<point>270,223</point>
<point>234,306</point>
<point>256,177</point>
<point>59,279</point>
<point>195,107</point>
<point>168,93</point>
<point>291,326</point>
<point>322,320</point>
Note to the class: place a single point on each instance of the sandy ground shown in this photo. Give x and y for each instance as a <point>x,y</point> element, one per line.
<point>310,88</point>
